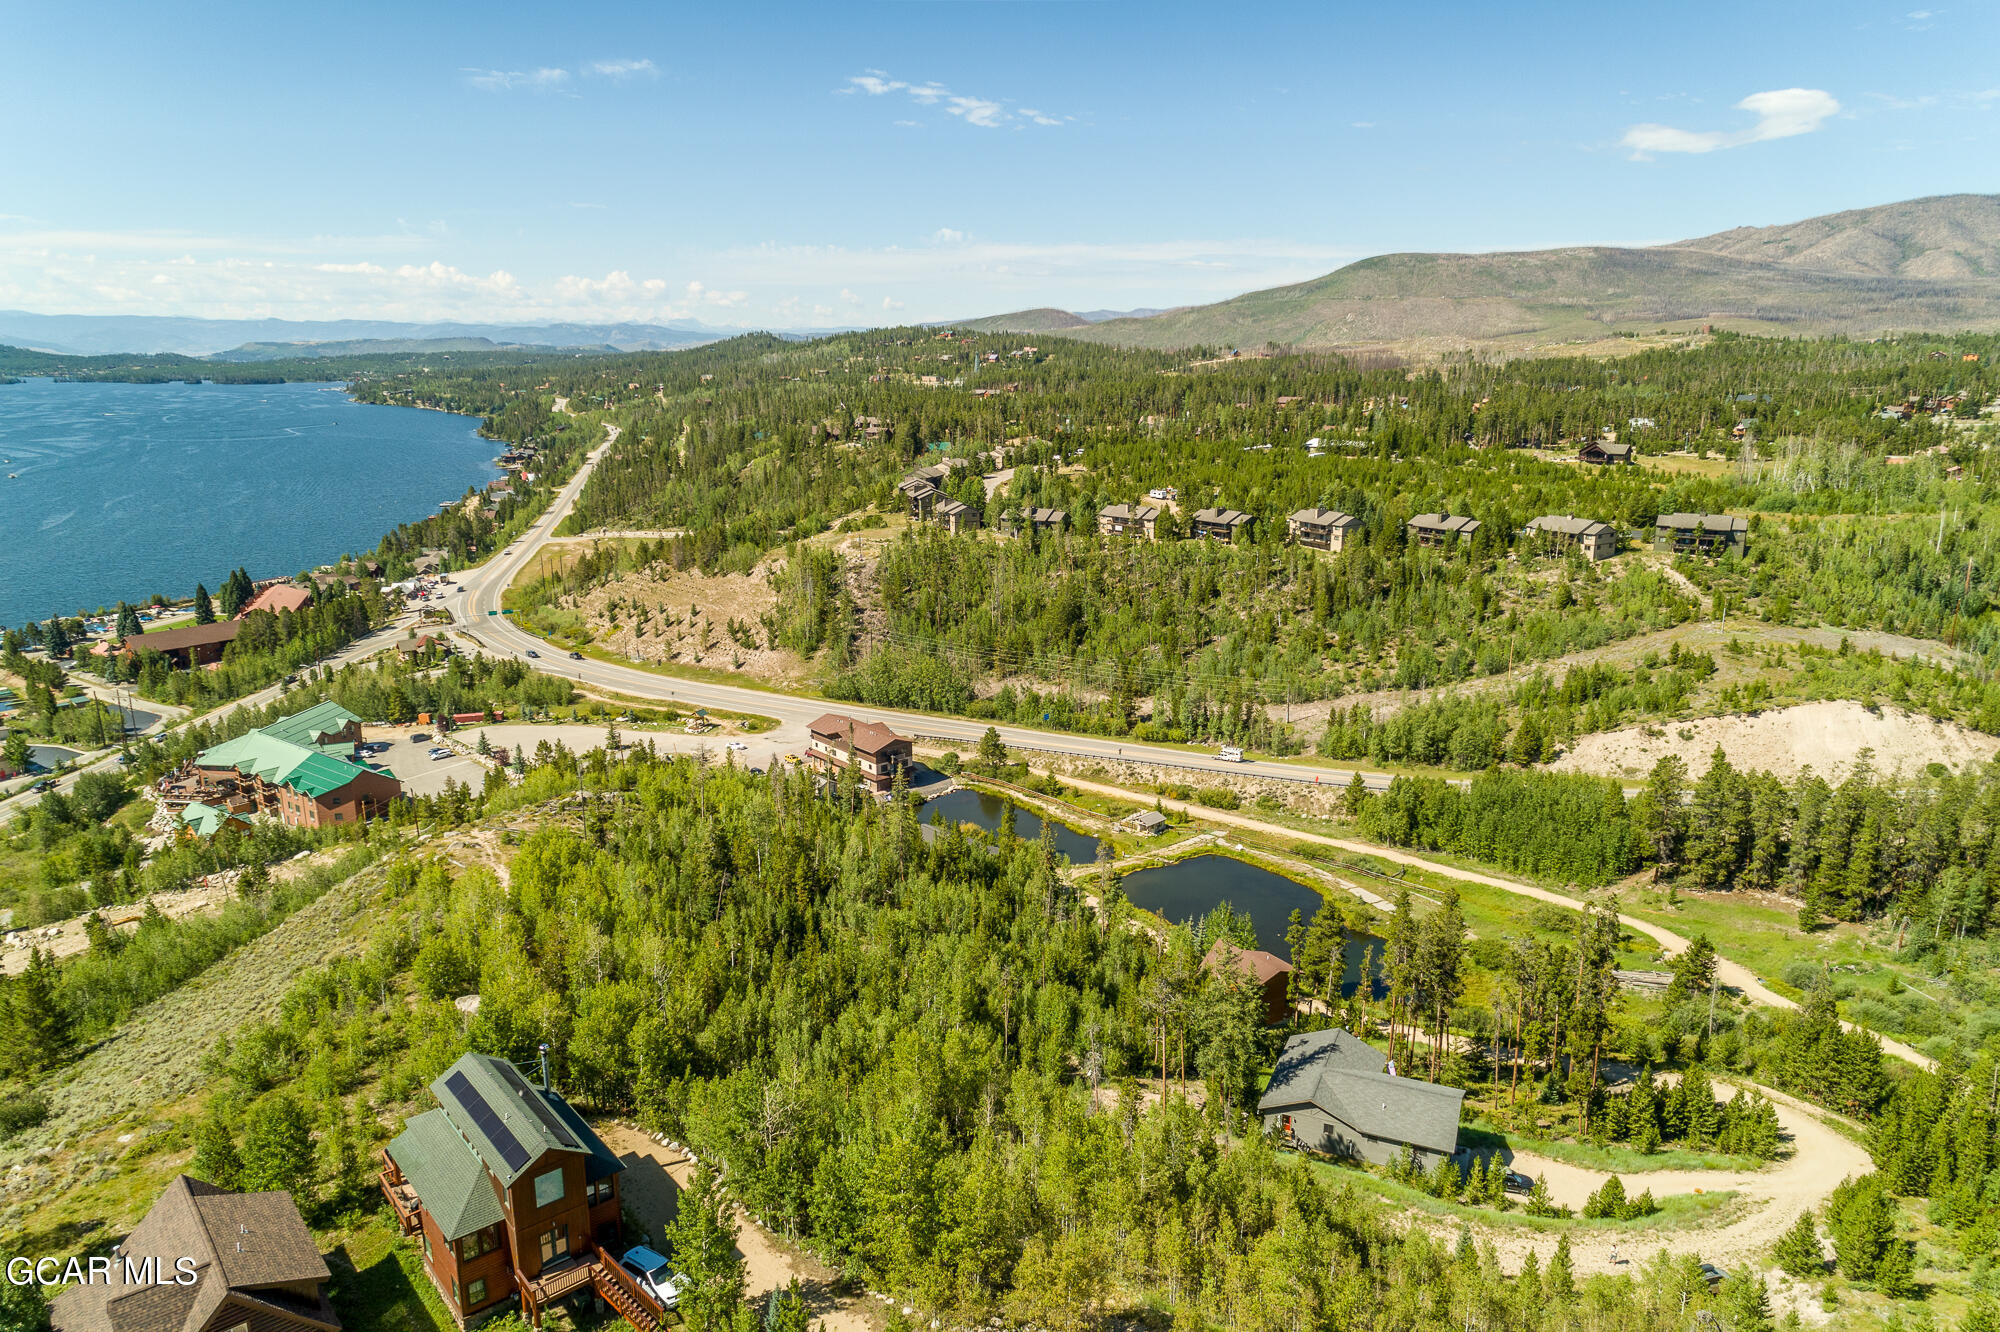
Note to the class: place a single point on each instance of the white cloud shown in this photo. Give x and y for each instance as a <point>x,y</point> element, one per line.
<point>985,112</point>
<point>620,70</point>
<point>1362,124</point>
<point>510,80</point>
<point>417,277</point>
<point>873,84</point>
<point>1781,114</point>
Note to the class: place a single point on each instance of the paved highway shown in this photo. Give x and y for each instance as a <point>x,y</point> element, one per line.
<point>478,604</point>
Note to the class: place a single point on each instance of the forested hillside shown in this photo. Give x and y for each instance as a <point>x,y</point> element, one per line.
<point>1859,467</point>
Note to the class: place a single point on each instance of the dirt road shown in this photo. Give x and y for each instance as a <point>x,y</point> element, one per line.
<point>1769,1200</point>
<point>1732,975</point>
<point>654,1176</point>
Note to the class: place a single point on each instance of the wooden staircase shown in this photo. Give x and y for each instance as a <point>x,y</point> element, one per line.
<point>622,1293</point>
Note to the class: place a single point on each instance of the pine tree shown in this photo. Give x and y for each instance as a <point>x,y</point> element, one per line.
<point>1717,823</point>
<point>1694,971</point>
<point>128,621</point>
<point>1355,796</point>
<point>1560,1281</point>
<point>215,1156</point>
<point>37,1023</point>
<point>204,609</point>
<point>1896,1273</point>
<point>1797,1252</point>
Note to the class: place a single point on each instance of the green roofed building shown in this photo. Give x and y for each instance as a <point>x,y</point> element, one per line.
<point>205,821</point>
<point>299,768</point>
<point>510,1191</point>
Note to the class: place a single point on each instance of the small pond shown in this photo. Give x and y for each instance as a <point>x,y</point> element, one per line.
<point>1187,890</point>
<point>988,811</point>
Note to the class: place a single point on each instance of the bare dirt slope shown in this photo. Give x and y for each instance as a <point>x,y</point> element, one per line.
<point>1827,736</point>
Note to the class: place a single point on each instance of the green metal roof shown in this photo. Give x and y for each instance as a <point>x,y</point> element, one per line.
<point>305,728</point>
<point>206,820</point>
<point>448,1177</point>
<point>281,763</point>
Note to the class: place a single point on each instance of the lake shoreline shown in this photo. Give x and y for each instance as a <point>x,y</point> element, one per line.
<point>136,450</point>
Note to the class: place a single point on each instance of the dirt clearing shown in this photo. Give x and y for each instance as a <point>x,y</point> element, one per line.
<point>654,1176</point>
<point>1828,736</point>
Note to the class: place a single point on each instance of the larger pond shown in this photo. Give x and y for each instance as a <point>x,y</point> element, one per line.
<point>992,812</point>
<point>1188,890</point>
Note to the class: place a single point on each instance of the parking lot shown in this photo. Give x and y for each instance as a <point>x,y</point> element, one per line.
<point>757,751</point>
<point>409,759</point>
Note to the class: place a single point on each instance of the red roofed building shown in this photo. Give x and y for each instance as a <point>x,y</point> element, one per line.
<point>276,598</point>
<point>1270,973</point>
<point>873,750</point>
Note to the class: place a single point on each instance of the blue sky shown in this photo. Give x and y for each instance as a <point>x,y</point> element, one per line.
<point>867,163</point>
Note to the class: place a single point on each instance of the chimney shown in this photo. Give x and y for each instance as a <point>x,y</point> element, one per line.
<point>545,1066</point>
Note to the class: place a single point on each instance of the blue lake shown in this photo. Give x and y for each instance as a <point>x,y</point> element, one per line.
<point>1187,890</point>
<point>990,812</point>
<point>124,490</point>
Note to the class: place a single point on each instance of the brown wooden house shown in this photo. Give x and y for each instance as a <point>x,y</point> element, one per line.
<point>877,753</point>
<point>1271,974</point>
<point>511,1195</point>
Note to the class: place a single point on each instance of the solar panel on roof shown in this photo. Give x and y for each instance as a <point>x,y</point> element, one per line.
<point>557,1129</point>
<point>488,1123</point>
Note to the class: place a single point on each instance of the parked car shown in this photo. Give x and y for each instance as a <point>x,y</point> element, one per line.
<point>652,1273</point>
<point>1711,1274</point>
<point>738,746</point>
<point>1519,1183</point>
<point>439,753</point>
<point>420,737</point>
<point>533,653</point>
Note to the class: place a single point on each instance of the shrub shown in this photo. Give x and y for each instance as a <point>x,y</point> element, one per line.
<point>1218,797</point>
<point>21,1110</point>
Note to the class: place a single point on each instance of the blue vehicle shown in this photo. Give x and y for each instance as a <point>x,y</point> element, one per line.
<point>652,1273</point>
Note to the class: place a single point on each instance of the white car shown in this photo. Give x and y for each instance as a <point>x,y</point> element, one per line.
<point>651,1272</point>
<point>738,746</point>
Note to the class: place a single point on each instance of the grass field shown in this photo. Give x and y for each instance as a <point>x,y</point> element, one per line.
<point>1678,1211</point>
<point>1483,1135</point>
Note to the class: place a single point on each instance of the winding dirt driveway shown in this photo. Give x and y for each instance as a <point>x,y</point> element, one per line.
<point>1768,1201</point>
<point>654,1177</point>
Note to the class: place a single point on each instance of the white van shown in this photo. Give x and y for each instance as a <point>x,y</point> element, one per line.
<point>1230,754</point>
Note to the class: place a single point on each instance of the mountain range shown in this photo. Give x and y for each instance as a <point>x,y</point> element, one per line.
<point>1928,265</point>
<point>272,339</point>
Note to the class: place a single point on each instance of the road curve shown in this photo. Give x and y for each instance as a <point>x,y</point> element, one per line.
<point>496,635</point>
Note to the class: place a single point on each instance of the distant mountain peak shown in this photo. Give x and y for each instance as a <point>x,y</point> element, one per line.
<point>1920,265</point>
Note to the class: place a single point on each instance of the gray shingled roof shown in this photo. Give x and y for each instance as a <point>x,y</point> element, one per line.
<point>1322,517</point>
<point>1444,522</point>
<point>1341,1074</point>
<point>1567,526</point>
<point>1713,522</point>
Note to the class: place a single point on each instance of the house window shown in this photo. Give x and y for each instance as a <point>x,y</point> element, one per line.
<point>475,1293</point>
<point>454,1293</point>
<point>600,1190</point>
<point>478,1244</point>
<point>427,1246</point>
<point>555,1242</point>
<point>549,1188</point>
